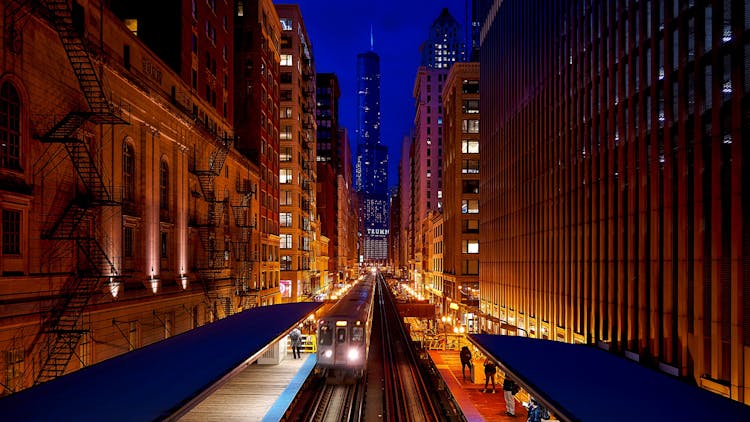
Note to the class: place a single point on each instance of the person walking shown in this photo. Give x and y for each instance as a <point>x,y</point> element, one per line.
<point>466,361</point>
<point>510,388</point>
<point>296,337</point>
<point>489,374</point>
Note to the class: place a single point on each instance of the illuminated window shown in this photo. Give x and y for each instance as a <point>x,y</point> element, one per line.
<point>470,146</point>
<point>286,60</point>
<point>285,154</point>
<point>470,166</point>
<point>470,206</point>
<point>470,246</point>
<point>285,241</point>
<point>285,219</point>
<point>286,133</point>
<point>286,263</point>
<point>286,24</point>
<point>470,126</point>
<point>285,176</point>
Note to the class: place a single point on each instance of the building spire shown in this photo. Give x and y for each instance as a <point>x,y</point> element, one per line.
<point>372,41</point>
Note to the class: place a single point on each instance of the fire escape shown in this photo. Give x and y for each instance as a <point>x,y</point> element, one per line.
<point>64,327</point>
<point>213,261</point>
<point>242,245</point>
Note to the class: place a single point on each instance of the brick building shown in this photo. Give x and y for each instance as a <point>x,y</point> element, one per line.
<point>123,215</point>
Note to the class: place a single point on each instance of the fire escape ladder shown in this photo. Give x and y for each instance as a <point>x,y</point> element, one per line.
<point>67,226</point>
<point>65,327</point>
<point>61,17</point>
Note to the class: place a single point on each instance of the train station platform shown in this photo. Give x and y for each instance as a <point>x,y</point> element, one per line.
<point>169,378</point>
<point>476,405</point>
<point>261,392</point>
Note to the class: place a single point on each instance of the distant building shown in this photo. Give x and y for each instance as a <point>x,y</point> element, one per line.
<point>445,43</point>
<point>329,163</point>
<point>614,190</point>
<point>347,253</point>
<point>372,161</point>
<point>473,27</point>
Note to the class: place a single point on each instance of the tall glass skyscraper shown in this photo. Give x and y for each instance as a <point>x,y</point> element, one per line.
<point>371,179</point>
<point>445,43</point>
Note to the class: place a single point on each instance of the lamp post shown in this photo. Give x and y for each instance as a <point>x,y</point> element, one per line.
<point>446,320</point>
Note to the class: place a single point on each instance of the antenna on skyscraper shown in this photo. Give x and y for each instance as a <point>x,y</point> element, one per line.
<point>372,41</point>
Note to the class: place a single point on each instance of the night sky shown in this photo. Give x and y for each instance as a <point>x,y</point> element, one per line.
<point>340,29</point>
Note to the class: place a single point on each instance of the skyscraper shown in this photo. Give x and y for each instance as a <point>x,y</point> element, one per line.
<point>372,159</point>
<point>445,43</point>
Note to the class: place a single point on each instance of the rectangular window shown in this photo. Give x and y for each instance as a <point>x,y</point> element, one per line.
<point>470,267</point>
<point>286,263</point>
<point>285,155</point>
<point>470,146</point>
<point>470,166</point>
<point>471,107</point>
<point>286,133</point>
<point>11,232</point>
<point>470,186</point>
<point>286,60</point>
<point>470,206</point>
<point>286,113</point>
<point>285,241</point>
<point>285,219</point>
<point>286,24</point>
<point>470,226</point>
<point>127,242</point>
<point>470,246</point>
<point>164,245</point>
<point>470,126</point>
<point>470,87</point>
<point>285,197</point>
<point>285,176</point>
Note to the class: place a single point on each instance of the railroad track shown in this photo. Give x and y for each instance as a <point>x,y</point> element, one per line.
<point>406,397</point>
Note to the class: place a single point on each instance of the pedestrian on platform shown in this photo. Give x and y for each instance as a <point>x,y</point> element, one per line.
<point>510,389</point>
<point>296,337</point>
<point>489,374</point>
<point>537,412</point>
<point>466,361</point>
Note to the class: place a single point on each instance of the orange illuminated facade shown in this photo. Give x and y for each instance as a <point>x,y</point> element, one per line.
<point>125,220</point>
<point>614,188</point>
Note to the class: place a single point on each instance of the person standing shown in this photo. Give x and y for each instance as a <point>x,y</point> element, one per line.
<point>537,412</point>
<point>489,374</point>
<point>466,362</point>
<point>296,337</point>
<point>510,388</point>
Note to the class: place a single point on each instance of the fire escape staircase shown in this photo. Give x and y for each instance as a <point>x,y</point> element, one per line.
<point>213,261</point>
<point>64,326</point>
<point>242,248</point>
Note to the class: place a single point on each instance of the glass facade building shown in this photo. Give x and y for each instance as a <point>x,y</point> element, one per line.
<point>372,160</point>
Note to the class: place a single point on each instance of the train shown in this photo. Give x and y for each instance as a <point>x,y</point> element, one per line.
<point>344,333</point>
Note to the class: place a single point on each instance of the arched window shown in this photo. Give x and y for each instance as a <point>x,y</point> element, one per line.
<point>128,173</point>
<point>10,127</point>
<point>164,186</point>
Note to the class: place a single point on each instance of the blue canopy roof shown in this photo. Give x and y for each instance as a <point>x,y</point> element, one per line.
<point>155,381</point>
<point>588,384</point>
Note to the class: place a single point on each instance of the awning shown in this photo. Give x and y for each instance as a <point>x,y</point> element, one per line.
<point>583,383</point>
<point>157,380</point>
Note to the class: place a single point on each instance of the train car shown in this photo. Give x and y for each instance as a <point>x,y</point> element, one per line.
<point>344,333</point>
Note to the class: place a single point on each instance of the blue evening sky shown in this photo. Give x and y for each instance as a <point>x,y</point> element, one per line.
<point>340,29</point>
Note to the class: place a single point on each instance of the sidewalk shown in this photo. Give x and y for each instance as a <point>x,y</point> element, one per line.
<point>476,406</point>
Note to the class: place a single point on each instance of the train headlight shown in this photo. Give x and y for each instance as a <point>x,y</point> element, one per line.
<point>353,354</point>
<point>328,353</point>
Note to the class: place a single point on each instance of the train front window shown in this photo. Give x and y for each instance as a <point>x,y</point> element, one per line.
<point>341,335</point>
<point>358,333</point>
<point>325,335</point>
